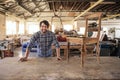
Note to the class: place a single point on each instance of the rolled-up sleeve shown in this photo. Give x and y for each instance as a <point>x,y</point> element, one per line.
<point>55,42</point>
<point>32,41</point>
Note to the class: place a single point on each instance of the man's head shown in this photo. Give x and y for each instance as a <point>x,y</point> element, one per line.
<point>44,25</point>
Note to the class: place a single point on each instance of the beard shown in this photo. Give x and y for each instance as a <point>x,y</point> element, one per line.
<point>44,30</point>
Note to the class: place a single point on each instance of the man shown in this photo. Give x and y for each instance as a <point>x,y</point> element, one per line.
<point>44,39</point>
<point>105,38</point>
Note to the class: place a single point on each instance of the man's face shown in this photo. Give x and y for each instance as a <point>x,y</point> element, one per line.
<point>43,27</point>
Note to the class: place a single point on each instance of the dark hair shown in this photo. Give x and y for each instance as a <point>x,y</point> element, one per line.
<point>45,22</point>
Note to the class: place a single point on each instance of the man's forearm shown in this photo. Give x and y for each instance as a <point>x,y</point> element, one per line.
<point>58,52</point>
<point>27,53</point>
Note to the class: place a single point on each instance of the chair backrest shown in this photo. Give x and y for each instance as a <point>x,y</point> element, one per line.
<point>93,27</point>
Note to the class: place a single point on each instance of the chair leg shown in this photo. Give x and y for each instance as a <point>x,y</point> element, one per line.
<point>92,53</point>
<point>83,55</point>
<point>67,51</point>
<point>82,62</point>
<point>98,53</point>
<point>85,52</point>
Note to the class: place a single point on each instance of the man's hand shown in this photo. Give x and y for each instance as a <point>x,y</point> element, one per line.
<point>23,59</point>
<point>59,58</point>
<point>26,56</point>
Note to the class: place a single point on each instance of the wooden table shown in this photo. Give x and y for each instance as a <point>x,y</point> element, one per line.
<point>66,48</point>
<point>7,52</point>
<point>80,41</point>
<point>1,54</point>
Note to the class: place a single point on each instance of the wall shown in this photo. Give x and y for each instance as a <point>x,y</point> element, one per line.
<point>2,26</point>
<point>78,24</point>
<point>108,24</point>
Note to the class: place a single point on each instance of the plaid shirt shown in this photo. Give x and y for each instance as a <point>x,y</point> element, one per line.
<point>44,43</point>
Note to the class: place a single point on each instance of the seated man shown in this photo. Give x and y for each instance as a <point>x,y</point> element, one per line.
<point>44,40</point>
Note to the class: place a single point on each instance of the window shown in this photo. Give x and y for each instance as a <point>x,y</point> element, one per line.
<point>21,28</point>
<point>82,31</point>
<point>68,27</point>
<point>10,27</point>
<point>53,28</point>
<point>32,27</point>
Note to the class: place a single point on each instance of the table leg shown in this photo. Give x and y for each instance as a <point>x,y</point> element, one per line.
<point>68,50</point>
<point>2,54</point>
<point>65,53</point>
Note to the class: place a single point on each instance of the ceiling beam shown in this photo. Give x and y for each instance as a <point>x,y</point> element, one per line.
<point>67,4</point>
<point>97,7</point>
<point>105,2</point>
<point>102,7</point>
<point>80,5</point>
<point>76,11</point>
<point>71,9</point>
<point>108,2</point>
<point>112,7</point>
<point>2,12</point>
<point>116,7</point>
<point>37,5</point>
<point>73,6</point>
<point>3,7</point>
<point>87,5</point>
<point>53,7</point>
<point>65,0</point>
<point>98,2</point>
<point>61,16</point>
<point>21,5</point>
<point>111,16</point>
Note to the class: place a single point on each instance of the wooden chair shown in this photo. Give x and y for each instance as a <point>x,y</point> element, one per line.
<point>86,40</point>
<point>95,29</point>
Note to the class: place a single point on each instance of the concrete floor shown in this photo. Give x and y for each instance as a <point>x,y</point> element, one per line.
<point>51,69</point>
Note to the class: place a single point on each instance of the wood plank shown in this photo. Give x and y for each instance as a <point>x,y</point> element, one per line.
<point>75,40</point>
<point>94,15</point>
<point>91,40</point>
